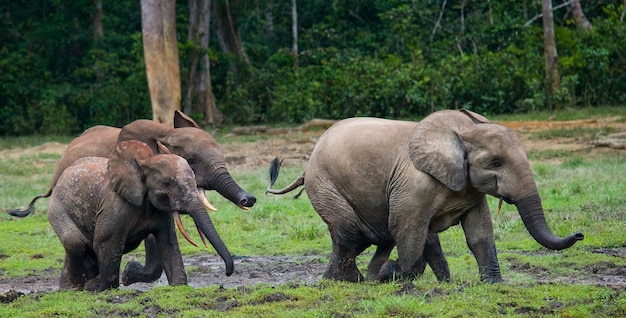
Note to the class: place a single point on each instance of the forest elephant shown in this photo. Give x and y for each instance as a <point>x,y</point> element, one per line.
<point>186,139</point>
<point>102,208</point>
<point>398,183</point>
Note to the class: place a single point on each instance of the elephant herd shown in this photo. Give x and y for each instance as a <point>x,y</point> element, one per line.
<point>393,184</point>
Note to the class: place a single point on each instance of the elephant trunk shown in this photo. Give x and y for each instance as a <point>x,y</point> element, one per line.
<point>224,184</point>
<point>532,214</point>
<point>204,223</point>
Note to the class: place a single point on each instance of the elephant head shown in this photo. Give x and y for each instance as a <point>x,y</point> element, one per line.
<point>169,184</point>
<point>463,149</point>
<point>195,145</point>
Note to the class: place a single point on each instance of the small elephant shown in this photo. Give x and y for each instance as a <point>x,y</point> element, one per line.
<point>187,140</point>
<point>398,183</point>
<point>102,208</point>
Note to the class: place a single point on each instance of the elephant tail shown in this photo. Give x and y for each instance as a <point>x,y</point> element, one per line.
<point>274,170</point>
<point>22,212</point>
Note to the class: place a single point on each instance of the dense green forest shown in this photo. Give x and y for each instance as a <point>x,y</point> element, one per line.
<point>384,58</point>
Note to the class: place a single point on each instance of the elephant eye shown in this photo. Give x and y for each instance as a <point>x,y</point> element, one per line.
<point>191,161</point>
<point>496,163</point>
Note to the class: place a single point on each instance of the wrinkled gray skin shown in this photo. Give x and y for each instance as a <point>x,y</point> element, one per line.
<point>187,140</point>
<point>124,199</point>
<point>396,183</point>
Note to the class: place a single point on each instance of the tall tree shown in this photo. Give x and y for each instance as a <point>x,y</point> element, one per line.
<point>579,16</point>
<point>228,35</point>
<point>294,29</point>
<point>98,30</point>
<point>160,47</point>
<point>553,78</point>
<point>200,98</point>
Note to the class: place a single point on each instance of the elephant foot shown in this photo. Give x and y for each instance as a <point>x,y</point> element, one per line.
<point>345,273</point>
<point>134,272</point>
<point>492,279</point>
<point>95,285</point>
<point>389,271</point>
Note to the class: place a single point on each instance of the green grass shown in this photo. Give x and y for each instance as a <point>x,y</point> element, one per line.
<point>579,194</point>
<point>566,114</point>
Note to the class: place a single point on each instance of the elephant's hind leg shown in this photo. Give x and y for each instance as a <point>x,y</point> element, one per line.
<point>435,258</point>
<point>77,270</point>
<point>345,229</point>
<point>342,265</point>
<point>380,257</point>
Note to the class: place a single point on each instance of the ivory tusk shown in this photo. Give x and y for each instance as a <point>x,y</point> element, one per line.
<point>181,228</point>
<point>499,206</point>
<point>202,237</point>
<point>205,201</point>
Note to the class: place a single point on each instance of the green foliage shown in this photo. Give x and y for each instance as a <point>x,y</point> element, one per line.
<point>393,59</point>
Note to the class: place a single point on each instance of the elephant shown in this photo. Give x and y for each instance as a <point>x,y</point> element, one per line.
<point>187,140</point>
<point>397,184</point>
<point>102,208</point>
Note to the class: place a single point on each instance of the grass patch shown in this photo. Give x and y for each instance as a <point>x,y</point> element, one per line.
<point>583,133</point>
<point>579,194</point>
<point>565,114</point>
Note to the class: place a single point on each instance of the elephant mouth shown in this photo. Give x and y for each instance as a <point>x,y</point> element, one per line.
<point>506,199</point>
<point>208,206</point>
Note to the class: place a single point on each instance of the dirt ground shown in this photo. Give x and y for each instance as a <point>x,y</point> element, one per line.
<point>296,146</point>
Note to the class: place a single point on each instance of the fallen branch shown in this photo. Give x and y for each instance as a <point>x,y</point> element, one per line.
<point>617,141</point>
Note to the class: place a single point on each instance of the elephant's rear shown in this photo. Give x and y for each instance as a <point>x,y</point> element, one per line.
<point>71,211</point>
<point>348,174</point>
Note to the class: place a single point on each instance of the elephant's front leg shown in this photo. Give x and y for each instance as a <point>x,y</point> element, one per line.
<point>478,230</point>
<point>134,272</point>
<point>410,238</point>
<point>109,254</point>
<point>172,260</point>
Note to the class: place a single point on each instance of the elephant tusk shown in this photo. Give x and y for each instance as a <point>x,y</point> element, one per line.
<point>205,201</point>
<point>243,207</point>
<point>181,228</point>
<point>202,237</point>
<point>499,206</point>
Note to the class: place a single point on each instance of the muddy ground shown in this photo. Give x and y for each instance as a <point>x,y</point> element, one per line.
<point>296,145</point>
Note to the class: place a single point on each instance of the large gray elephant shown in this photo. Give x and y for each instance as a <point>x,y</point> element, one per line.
<point>398,183</point>
<point>187,140</point>
<point>120,202</point>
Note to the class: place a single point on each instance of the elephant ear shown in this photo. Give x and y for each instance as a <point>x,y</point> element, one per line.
<point>125,173</point>
<point>437,150</point>
<point>476,118</point>
<point>182,120</point>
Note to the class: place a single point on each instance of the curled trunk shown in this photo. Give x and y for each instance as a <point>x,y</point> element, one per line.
<point>532,214</point>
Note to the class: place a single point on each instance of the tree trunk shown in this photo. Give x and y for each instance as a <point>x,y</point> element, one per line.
<point>158,21</point>
<point>553,79</point>
<point>294,30</point>
<point>228,36</point>
<point>579,16</point>
<point>200,98</point>
<point>269,19</point>
<point>98,31</point>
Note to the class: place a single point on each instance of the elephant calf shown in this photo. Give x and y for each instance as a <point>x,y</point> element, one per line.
<point>399,183</point>
<point>102,208</point>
